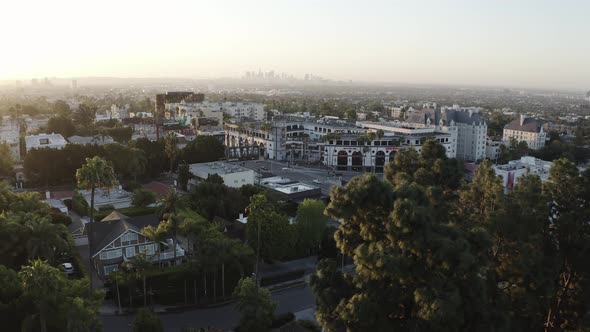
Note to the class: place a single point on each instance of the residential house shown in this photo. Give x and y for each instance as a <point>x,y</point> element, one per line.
<point>117,239</point>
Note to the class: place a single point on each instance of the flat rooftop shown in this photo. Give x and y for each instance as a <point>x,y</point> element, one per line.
<point>219,168</point>
<point>285,185</point>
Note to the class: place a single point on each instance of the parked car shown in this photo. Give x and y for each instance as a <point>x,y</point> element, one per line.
<point>316,181</point>
<point>67,268</point>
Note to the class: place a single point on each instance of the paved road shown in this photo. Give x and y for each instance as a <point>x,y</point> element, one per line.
<point>225,317</point>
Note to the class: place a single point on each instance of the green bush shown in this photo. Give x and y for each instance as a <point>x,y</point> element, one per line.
<point>147,321</point>
<point>79,204</point>
<point>106,208</point>
<point>143,198</point>
<point>279,278</point>
<point>283,319</point>
<point>130,212</point>
<point>60,218</point>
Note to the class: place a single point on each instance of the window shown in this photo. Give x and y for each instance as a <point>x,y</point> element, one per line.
<point>111,254</point>
<point>149,249</point>
<point>128,237</point>
<point>110,268</point>
<point>129,252</point>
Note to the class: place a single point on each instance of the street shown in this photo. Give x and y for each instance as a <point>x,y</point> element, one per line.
<point>225,317</point>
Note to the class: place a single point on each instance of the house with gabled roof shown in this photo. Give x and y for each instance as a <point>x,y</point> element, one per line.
<point>527,130</point>
<point>117,238</point>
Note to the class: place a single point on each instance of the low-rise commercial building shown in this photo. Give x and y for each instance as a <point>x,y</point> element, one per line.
<point>511,172</point>
<point>233,175</point>
<point>52,141</point>
<point>289,189</point>
<point>91,140</point>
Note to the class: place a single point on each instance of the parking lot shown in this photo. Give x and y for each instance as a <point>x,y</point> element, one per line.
<point>315,176</point>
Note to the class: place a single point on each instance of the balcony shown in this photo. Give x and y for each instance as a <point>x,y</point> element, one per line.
<point>169,254</point>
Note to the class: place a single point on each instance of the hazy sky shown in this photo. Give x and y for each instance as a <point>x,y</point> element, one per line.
<point>490,42</point>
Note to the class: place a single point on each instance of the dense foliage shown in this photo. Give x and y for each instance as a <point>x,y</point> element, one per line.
<point>255,306</point>
<point>34,294</point>
<point>432,254</point>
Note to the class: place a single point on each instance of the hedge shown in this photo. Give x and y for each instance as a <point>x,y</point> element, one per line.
<point>283,277</point>
<point>282,319</point>
<point>60,218</point>
<point>129,212</point>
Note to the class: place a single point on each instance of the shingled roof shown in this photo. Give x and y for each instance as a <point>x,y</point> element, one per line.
<point>524,124</point>
<point>106,231</point>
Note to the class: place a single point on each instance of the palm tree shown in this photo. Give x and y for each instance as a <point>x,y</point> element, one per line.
<point>45,239</point>
<point>171,148</point>
<point>95,173</point>
<point>141,264</point>
<point>137,162</point>
<point>42,283</point>
<point>157,235</point>
<point>168,206</point>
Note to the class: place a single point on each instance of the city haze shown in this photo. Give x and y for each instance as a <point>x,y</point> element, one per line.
<point>501,43</point>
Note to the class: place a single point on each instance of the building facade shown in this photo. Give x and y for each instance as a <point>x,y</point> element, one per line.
<point>466,124</point>
<point>527,130</point>
<point>233,175</point>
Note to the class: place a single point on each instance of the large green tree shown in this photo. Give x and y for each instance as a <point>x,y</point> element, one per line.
<point>310,226</point>
<point>255,306</point>
<point>276,235</point>
<point>6,161</point>
<point>414,271</point>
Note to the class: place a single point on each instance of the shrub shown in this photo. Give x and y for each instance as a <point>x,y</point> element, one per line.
<point>130,212</point>
<point>79,204</point>
<point>60,218</point>
<point>143,198</point>
<point>283,319</point>
<point>106,208</point>
<point>147,321</point>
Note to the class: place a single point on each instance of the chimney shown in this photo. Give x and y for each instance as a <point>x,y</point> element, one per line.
<point>241,216</point>
<point>522,117</point>
<point>47,194</point>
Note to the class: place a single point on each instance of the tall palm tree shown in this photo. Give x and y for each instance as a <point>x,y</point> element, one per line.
<point>95,173</point>
<point>169,204</point>
<point>137,162</point>
<point>171,148</point>
<point>141,264</point>
<point>42,283</point>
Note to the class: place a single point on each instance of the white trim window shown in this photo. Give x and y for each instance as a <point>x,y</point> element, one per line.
<point>129,252</point>
<point>128,237</point>
<point>110,268</point>
<point>149,249</point>
<point>110,254</point>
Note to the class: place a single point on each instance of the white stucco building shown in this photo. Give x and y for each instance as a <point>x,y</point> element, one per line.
<point>53,141</point>
<point>233,175</point>
<point>511,172</point>
<point>527,130</point>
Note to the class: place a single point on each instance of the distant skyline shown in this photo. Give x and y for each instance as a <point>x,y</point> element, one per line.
<point>525,43</point>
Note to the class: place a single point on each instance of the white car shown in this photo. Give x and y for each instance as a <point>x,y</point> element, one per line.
<point>67,268</point>
<point>317,181</point>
